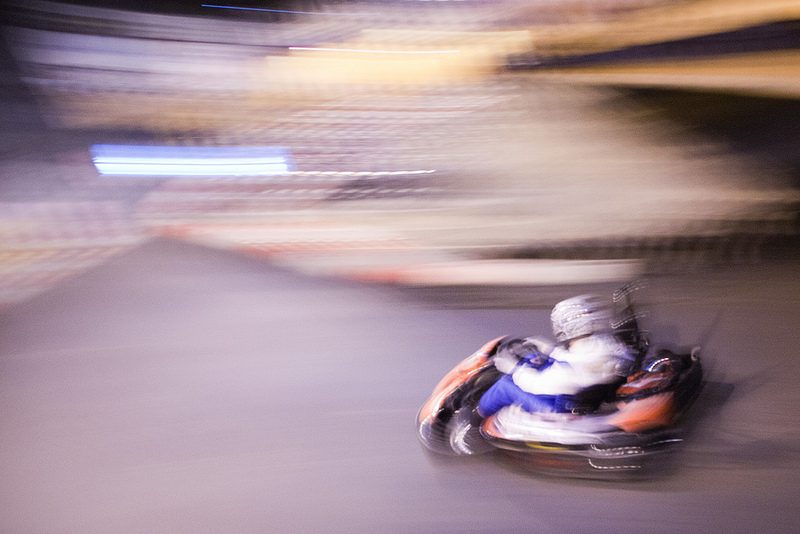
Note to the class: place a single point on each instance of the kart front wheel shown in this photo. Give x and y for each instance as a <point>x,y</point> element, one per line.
<point>465,435</point>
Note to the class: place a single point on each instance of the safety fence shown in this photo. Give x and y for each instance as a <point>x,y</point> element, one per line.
<point>44,243</point>
<point>251,198</point>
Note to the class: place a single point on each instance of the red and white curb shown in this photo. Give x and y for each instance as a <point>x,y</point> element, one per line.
<point>378,255</point>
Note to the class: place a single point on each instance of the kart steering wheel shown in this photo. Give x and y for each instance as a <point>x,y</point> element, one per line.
<point>523,350</point>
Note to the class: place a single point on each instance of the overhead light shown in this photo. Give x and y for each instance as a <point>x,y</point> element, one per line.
<point>171,161</point>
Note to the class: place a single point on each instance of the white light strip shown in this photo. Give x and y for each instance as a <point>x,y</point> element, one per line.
<point>171,170</point>
<point>173,161</point>
<point>375,51</point>
<point>189,169</point>
<point>210,162</point>
<point>187,161</point>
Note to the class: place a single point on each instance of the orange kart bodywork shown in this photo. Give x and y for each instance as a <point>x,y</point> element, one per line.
<point>462,373</point>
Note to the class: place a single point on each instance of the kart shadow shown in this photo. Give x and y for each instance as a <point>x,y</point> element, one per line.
<point>715,447</point>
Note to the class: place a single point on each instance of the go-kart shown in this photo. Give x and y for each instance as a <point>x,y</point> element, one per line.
<point>615,430</point>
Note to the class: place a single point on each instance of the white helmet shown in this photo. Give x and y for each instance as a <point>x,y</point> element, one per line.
<point>578,316</point>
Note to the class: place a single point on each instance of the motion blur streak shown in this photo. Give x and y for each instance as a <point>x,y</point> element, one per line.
<point>244,348</point>
<point>277,10</point>
<point>376,51</point>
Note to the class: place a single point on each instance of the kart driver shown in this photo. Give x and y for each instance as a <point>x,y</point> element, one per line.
<point>557,379</point>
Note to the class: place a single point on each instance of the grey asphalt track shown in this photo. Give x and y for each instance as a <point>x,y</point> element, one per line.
<point>183,389</point>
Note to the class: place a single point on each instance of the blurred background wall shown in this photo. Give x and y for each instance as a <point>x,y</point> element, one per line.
<point>649,134</point>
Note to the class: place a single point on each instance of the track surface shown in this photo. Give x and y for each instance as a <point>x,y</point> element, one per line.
<point>180,389</point>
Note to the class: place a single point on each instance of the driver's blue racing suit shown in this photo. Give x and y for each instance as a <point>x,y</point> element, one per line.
<point>505,392</point>
<point>552,385</point>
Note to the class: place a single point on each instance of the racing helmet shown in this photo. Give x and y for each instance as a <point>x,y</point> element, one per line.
<point>578,316</point>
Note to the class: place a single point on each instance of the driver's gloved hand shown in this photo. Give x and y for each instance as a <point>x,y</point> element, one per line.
<point>538,360</point>
<point>540,344</point>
